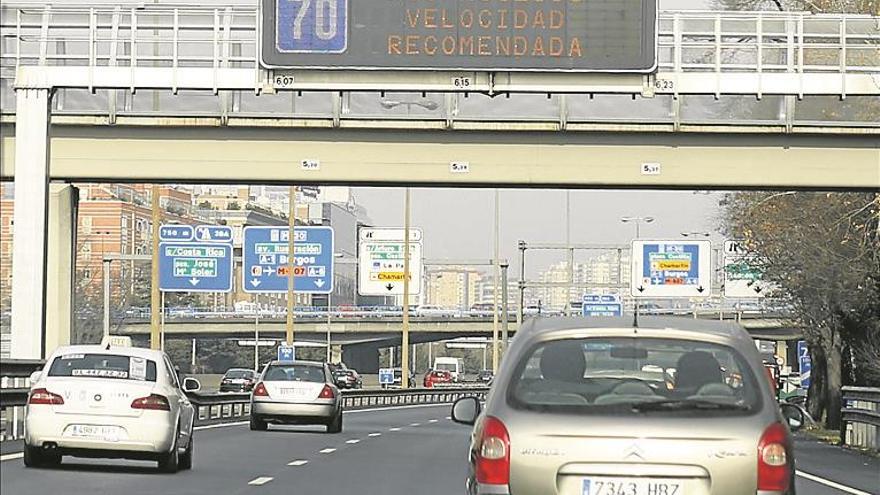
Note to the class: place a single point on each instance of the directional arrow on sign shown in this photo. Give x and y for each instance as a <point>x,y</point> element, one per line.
<point>641,288</point>
<point>319,283</point>
<point>390,287</point>
<point>255,282</point>
<point>700,289</point>
<point>194,281</point>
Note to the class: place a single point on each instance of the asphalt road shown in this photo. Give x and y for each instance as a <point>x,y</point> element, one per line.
<point>390,452</point>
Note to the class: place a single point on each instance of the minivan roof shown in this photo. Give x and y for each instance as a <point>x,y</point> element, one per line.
<point>539,325</point>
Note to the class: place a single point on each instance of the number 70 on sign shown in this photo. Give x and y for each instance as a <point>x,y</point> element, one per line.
<point>311,26</point>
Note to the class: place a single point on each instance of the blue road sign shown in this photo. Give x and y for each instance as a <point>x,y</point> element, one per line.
<point>190,266</point>
<point>806,365</point>
<point>671,269</point>
<point>265,261</point>
<point>286,353</point>
<point>312,27</point>
<point>386,376</point>
<point>601,305</point>
<point>213,233</point>
<point>175,232</point>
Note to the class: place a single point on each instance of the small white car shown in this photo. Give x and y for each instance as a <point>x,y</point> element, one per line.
<point>108,401</point>
<point>296,392</point>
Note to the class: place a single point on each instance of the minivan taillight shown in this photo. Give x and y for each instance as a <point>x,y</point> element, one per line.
<point>493,453</point>
<point>774,473</point>
<point>260,390</point>
<point>43,396</point>
<point>153,402</point>
<point>326,393</point>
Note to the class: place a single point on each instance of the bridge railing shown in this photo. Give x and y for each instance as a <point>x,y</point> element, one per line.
<point>211,54</point>
<point>217,408</point>
<point>860,417</point>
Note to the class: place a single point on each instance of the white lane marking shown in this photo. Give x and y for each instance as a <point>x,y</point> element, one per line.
<point>18,455</point>
<point>352,441</point>
<point>394,429</point>
<point>432,421</point>
<point>414,424</point>
<point>449,417</point>
<point>823,481</point>
<point>262,480</point>
<point>300,462</point>
<point>328,450</point>
<point>375,435</point>
<point>220,425</point>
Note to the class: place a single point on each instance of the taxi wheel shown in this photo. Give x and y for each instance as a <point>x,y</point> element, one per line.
<point>186,459</point>
<point>170,462</point>
<point>258,424</point>
<point>335,425</point>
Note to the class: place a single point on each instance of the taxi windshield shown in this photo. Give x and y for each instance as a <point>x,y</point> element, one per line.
<point>624,374</point>
<point>103,366</point>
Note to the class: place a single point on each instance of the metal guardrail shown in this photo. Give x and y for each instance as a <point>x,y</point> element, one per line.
<point>220,408</point>
<point>860,417</point>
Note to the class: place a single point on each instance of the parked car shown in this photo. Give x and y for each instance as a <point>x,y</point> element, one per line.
<point>238,380</point>
<point>435,377</point>
<point>485,376</point>
<point>109,401</point>
<point>589,408</point>
<point>298,392</point>
<point>347,378</point>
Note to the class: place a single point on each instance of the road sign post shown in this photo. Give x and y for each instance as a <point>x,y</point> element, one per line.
<point>286,353</point>
<point>195,260</point>
<point>266,264</point>
<point>741,279</point>
<point>380,261</point>
<point>671,268</point>
<point>601,305</point>
<point>386,376</point>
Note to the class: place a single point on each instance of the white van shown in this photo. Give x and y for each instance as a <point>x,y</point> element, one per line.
<point>455,366</point>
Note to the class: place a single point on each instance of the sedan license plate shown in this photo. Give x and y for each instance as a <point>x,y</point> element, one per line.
<point>108,433</point>
<point>632,486</point>
<point>294,392</point>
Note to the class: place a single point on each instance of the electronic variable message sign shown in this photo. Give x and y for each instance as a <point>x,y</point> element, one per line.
<point>480,35</point>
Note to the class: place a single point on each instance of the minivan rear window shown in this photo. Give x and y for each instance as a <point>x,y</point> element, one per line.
<point>640,376</point>
<point>103,366</point>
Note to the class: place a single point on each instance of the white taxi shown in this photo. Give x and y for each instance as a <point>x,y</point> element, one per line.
<point>109,401</point>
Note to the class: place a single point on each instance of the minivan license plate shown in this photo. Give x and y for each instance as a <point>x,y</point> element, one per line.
<point>632,486</point>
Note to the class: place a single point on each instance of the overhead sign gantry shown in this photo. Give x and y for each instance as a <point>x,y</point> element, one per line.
<point>490,35</point>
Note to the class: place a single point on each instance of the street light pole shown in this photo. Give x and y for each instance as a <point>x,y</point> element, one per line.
<point>106,274</point>
<point>404,343</point>
<point>291,227</point>
<point>495,276</point>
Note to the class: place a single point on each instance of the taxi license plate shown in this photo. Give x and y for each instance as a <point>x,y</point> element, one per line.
<point>109,433</point>
<point>294,392</point>
<point>632,486</point>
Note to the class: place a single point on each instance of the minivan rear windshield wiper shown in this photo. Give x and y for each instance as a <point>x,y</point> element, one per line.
<point>687,404</point>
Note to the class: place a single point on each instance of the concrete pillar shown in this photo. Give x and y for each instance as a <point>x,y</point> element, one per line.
<point>29,231</point>
<point>363,357</point>
<point>60,265</point>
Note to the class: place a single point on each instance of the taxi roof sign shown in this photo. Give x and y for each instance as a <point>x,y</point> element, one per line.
<point>116,341</point>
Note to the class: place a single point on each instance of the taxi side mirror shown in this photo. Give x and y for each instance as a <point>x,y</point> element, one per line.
<point>191,385</point>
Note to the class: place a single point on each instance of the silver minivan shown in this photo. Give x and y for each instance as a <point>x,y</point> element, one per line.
<point>674,406</point>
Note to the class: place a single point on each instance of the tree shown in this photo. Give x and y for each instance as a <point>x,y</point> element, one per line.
<point>823,251</point>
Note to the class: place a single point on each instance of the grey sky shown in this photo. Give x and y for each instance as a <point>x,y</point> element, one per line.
<point>459,223</point>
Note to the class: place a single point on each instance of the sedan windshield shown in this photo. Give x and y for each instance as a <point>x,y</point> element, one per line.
<point>641,376</point>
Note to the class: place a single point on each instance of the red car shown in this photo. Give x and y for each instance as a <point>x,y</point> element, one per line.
<point>434,377</point>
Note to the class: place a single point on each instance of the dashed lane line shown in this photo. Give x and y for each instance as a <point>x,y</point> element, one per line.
<point>352,441</point>
<point>9,457</point>
<point>432,420</point>
<point>415,424</point>
<point>298,462</point>
<point>328,450</point>
<point>262,480</point>
<point>837,486</point>
<point>375,434</point>
<point>394,429</point>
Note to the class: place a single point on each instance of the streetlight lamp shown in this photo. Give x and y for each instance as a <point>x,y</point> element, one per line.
<point>638,221</point>
<point>695,234</point>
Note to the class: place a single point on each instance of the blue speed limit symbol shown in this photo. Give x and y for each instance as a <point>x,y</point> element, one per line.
<point>312,26</point>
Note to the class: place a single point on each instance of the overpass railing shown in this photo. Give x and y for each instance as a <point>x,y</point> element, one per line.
<point>211,54</point>
<point>218,408</point>
<point>860,417</point>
